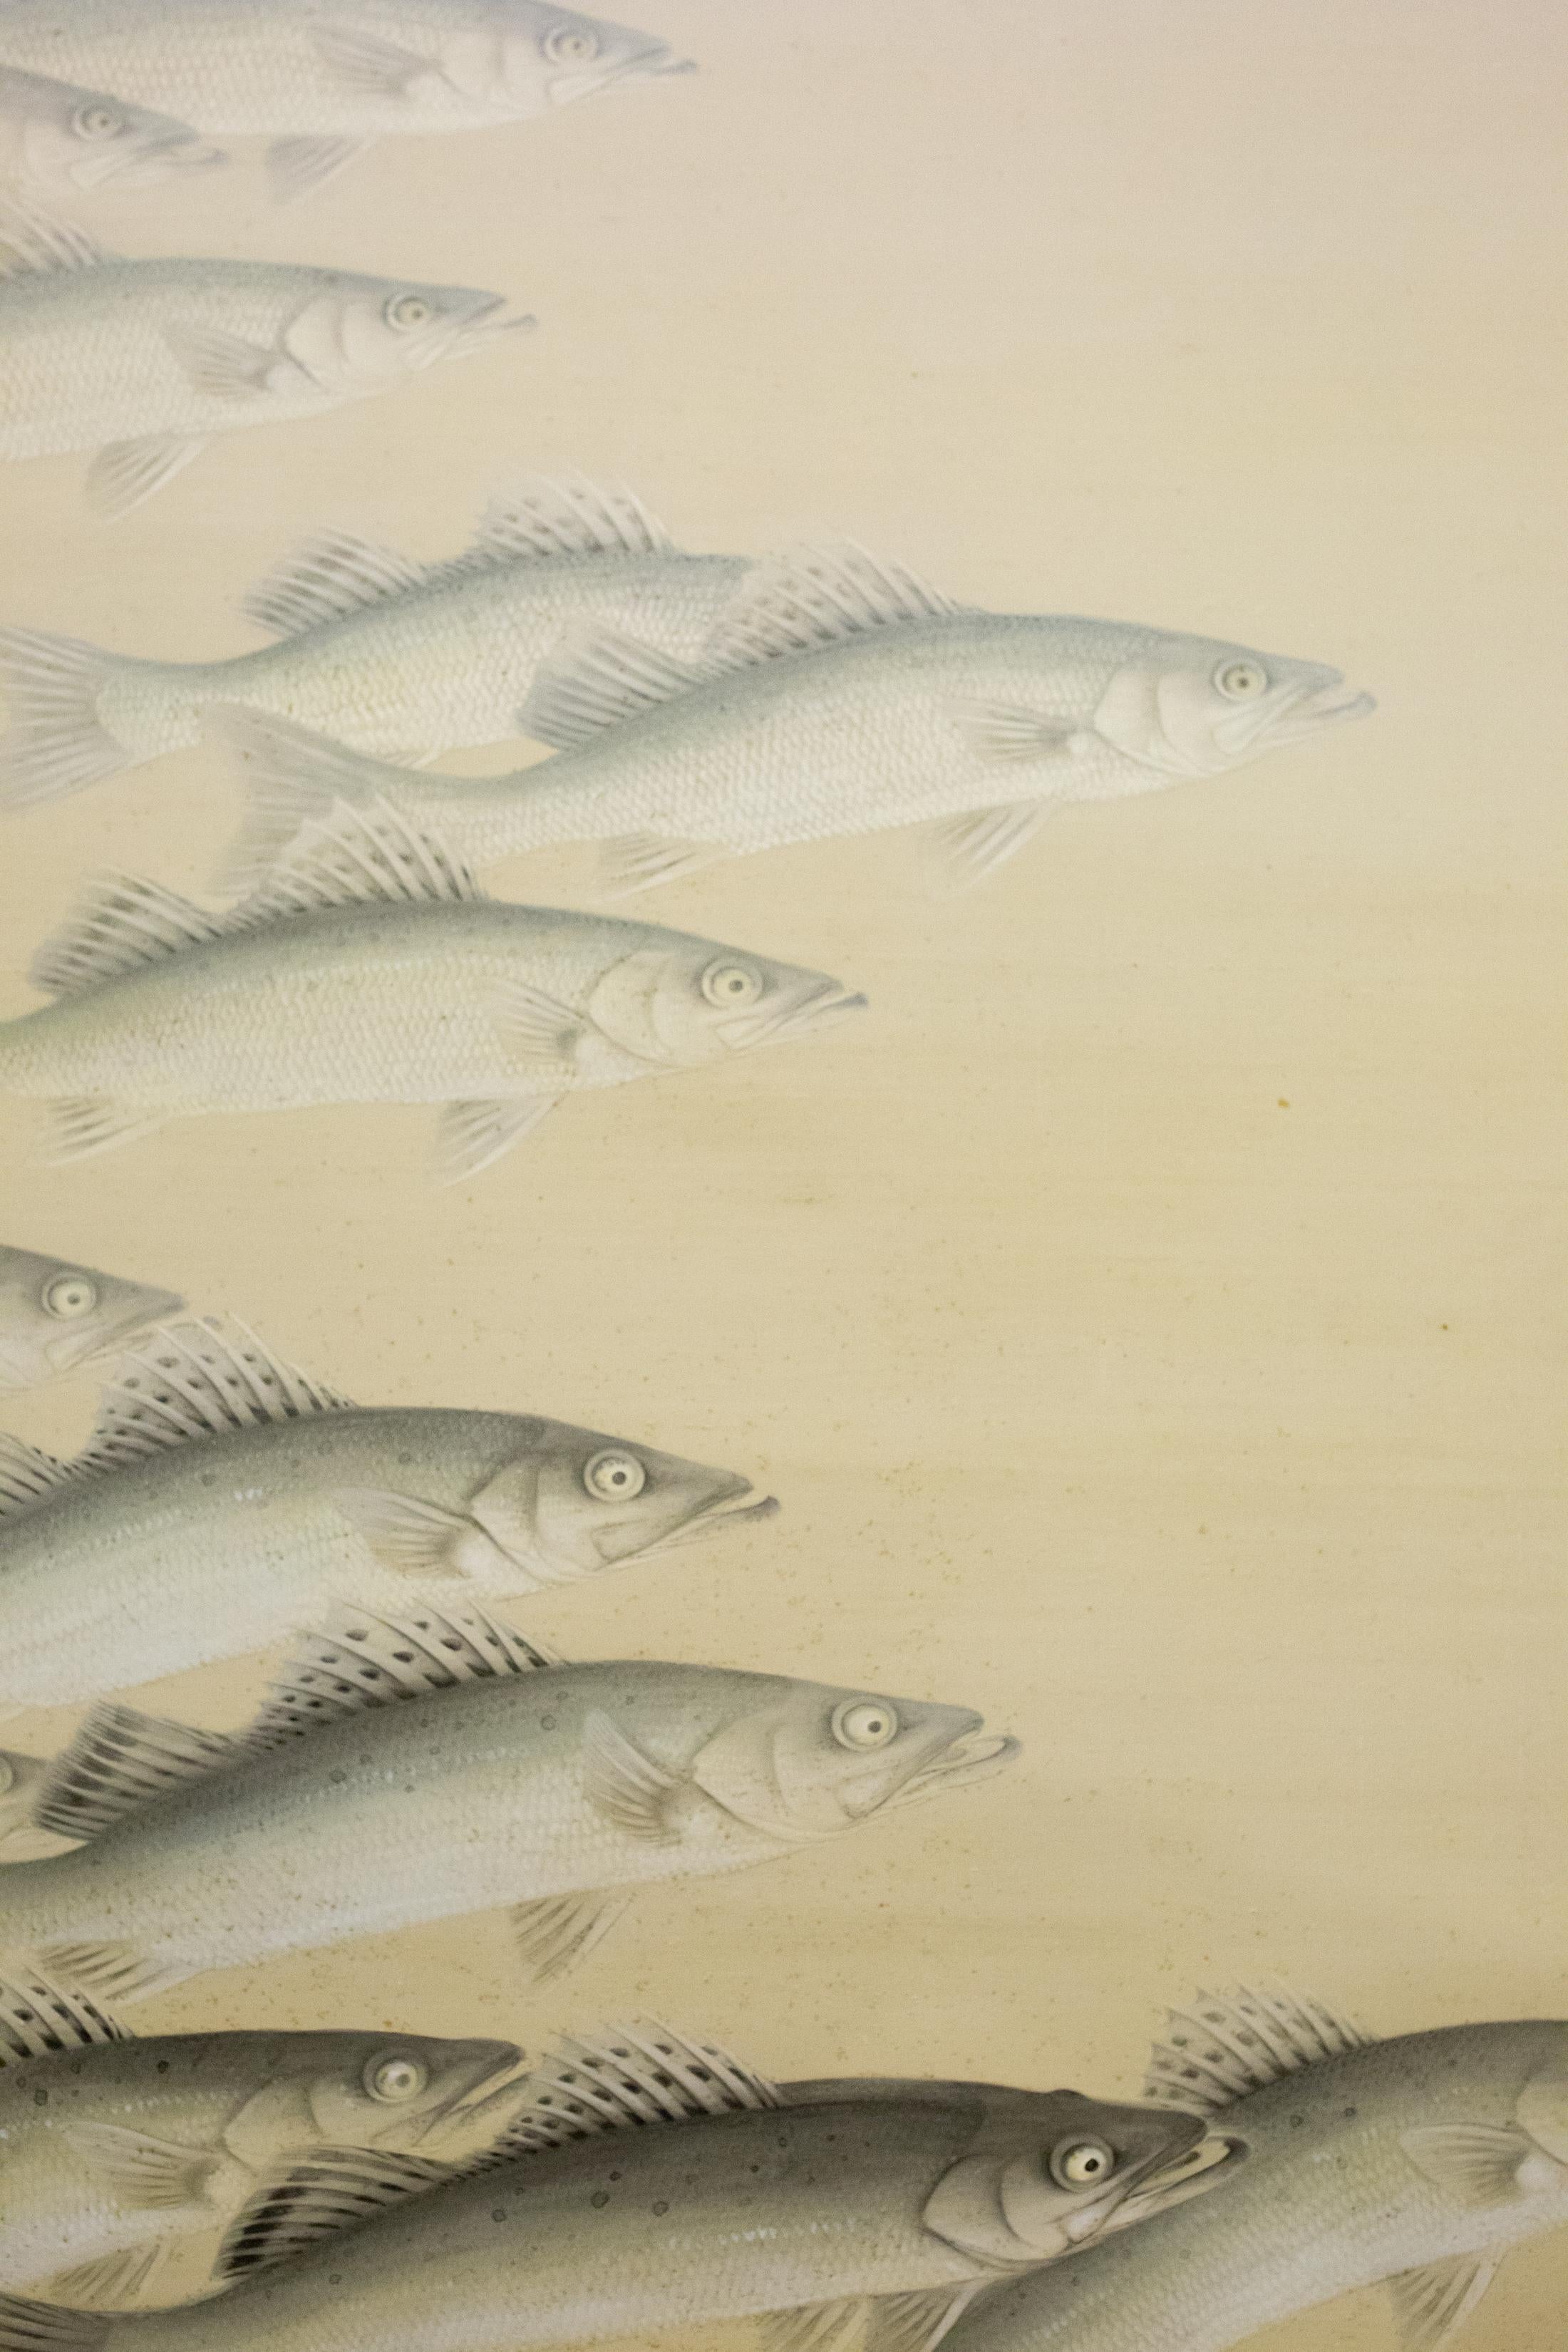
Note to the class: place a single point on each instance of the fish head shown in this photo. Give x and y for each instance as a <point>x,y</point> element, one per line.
<point>677,1002</point>
<point>359,334</point>
<point>56,1317</point>
<point>410,2091</point>
<point>1195,705</point>
<point>74,140</point>
<point>807,1760</point>
<point>553,56</point>
<point>574,1501</point>
<point>1048,2169</point>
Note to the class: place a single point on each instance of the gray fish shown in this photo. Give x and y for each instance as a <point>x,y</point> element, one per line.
<point>401,658</point>
<point>838,696</point>
<point>64,141</point>
<point>225,1499</point>
<point>374,970</point>
<point>56,1316</point>
<point>666,2185</point>
<point>114,2152</point>
<point>323,81</point>
<point>145,361</point>
<point>1419,2160</point>
<point>502,1778</point>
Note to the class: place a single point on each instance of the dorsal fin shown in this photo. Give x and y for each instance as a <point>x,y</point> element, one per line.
<point>542,517</point>
<point>28,1476</point>
<point>120,1760</point>
<point>331,2189</point>
<point>815,596</point>
<point>196,1380</point>
<point>327,577</point>
<point>120,925</point>
<point>1230,2043</point>
<point>597,681</point>
<point>41,2014</point>
<point>356,855</point>
<point>33,243</point>
<point>628,2076</point>
<point>359,1659</point>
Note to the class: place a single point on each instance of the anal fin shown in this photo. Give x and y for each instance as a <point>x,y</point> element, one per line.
<point>1430,2305</point>
<point>554,1934</point>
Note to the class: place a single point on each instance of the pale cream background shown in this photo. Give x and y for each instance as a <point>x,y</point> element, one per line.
<point>1151,1313</point>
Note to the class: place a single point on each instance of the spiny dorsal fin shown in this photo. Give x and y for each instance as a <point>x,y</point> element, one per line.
<point>597,682</point>
<point>818,596</point>
<point>120,925</point>
<point>329,2190</point>
<point>33,243</point>
<point>358,855</point>
<point>328,577</point>
<point>28,1476</point>
<point>40,2014</point>
<point>626,2077</point>
<point>1230,2043</point>
<point>359,1660</point>
<point>541,517</point>
<point>196,1380</point>
<point>120,1760</point>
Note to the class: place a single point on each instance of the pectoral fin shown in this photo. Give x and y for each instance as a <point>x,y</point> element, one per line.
<point>295,167</point>
<point>1011,731</point>
<point>624,1785</point>
<point>363,61</point>
<point>141,2171</point>
<point>1476,2164</point>
<point>126,472</point>
<point>539,1027</point>
<point>1429,2304</point>
<point>473,1134</point>
<point>231,367</point>
<point>971,846</point>
<point>114,2283</point>
<point>555,1933</point>
<point>405,1533</point>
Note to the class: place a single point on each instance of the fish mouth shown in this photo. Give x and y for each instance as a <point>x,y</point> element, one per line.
<point>1160,2185</point>
<point>973,1756</point>
<point>148,167</point>
<point>462,2106</point>
<point>1295,713</point>
<point>725,1512</point>
<point>640,65</point>
<point>825,1004</point>
<point>66,1353</point>
<point>478,329</point>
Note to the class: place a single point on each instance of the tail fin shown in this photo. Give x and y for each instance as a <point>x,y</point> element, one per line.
<point>55,743</point>
<point>291,776</point>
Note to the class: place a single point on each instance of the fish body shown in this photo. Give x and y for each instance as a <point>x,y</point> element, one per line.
<point>144,360</point>
<point>56,1316</point>
<point>497,1780</point>
<point>836,698</point>
<point>746,2206</point>
<point>114,2151</point>
<point>64,141</point>
<point>1421,2159</point>
<point>226,1499</point>
<point>379,974</point>
<point>396,658</point>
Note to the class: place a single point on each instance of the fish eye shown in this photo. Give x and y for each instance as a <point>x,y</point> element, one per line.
<point>408,311</point>
<point>96,121</point>
<point>1241,681</point>
<point>1079,2163</point>
<point>614,1476</point>
<point>69,1297</point>
<point>395,2079</point>
<point>732,984</point>
<point>571,45</point>
<point>863,1723</point>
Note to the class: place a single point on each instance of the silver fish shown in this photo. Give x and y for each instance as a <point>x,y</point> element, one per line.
<point>372,970</point>
<point>421,1768</point>
<point>669,2185</point>
<point>145,361</point>
<point>323,81</point>
<point>63,140</point>
<point>116,2152</point>
<point>398,657</point>
<point>839,696</point>
<point>1419,2160</point>
<point>56,1316</point>
<point>225,1499</point>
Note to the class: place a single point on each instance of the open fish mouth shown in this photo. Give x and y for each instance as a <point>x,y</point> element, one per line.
<point>466,2103</point>
<point>640,65</point>
<point>724,1513</point>
<point>1295,713</point>
<point>69,1352</point>
<point>826,1003</point>
<point>148,167</point>
<point>477,330</point>
<point>974,1756</point>
<point>1216,2157</point>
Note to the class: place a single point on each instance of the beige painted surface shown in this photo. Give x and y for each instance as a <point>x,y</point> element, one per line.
<point>1151,1313</point>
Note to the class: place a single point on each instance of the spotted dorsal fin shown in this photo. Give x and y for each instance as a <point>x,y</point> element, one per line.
<point>542,517</point>
<point>328,577</point>
<point>29,1477</point>
<point>120,925</point>
<point>595,682</point>
<point>816,597</point>
<point>357,854</point>
<point>196,1380</point>
<point>40,2014</point>
<point>120,1760</point>
<point>628,2076</point>
<point>1230,2043</point>
<point>359,1659</point>
<point>33,243</point>
<point>332,2188</point>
